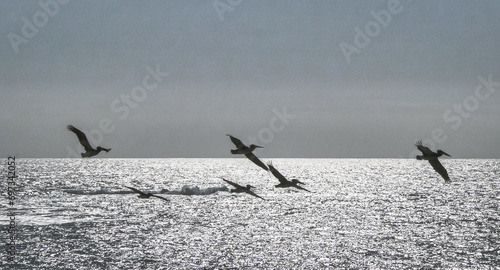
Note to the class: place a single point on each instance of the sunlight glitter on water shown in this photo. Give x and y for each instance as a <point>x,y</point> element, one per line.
<point>363,213</point>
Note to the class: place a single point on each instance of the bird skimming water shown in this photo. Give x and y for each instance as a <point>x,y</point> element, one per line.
<point>284,183</point>
<point>240,189</point>
<point>144,195</point>
<point>89,151</point>
<point>433,159</point>
<point>247,151</point>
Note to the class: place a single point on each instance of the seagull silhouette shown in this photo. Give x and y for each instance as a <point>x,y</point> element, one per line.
<point>433,160</point>
<point>239,188</point>
<point>284,183</point>
<point>89,150</point>
<point>247,151</point>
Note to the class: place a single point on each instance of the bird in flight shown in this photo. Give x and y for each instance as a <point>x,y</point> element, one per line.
<point>433,160</point>
<point>284,183</point>
<point>239,189</point>
<point>247,151</point>
<point>89,151</point>
<point>144,195</point>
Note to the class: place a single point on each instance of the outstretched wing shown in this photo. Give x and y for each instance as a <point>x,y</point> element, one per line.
<point>81,137</point>
<point>438,167</point>
<point>236,141</point>
<point>136,190</point>
<point>299,187</point>
<point>232,183</point>
<point>277,174</point>
<point>255,195</point>
<point>160,197</point>
<point>426,151</point>
<point>256,160</point>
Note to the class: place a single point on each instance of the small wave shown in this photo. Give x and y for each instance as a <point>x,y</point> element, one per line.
<point>185,190</point>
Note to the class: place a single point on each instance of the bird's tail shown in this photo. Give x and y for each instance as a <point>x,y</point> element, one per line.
<point>234,152</point>
<point>419,157</point>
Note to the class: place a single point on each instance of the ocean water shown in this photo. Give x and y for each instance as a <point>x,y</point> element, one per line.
<point>361,214</point>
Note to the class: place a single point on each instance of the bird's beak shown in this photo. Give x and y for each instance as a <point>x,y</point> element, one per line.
<point>446,154</point>
<point>258,146</point>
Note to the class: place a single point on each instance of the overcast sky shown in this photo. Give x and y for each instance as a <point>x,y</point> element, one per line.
<point>301,78</point>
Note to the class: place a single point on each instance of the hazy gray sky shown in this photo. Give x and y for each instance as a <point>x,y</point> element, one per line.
<point>302,78</point>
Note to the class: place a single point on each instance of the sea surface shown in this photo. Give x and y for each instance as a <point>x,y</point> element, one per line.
<point>360,214</point>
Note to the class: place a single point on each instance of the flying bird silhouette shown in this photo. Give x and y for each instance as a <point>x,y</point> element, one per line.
<point>89,151</point>
<point>284,183</point>
<point>247,151</point>
<point>240,189</point>
<point>433,160</point>
<point>144,195</point>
